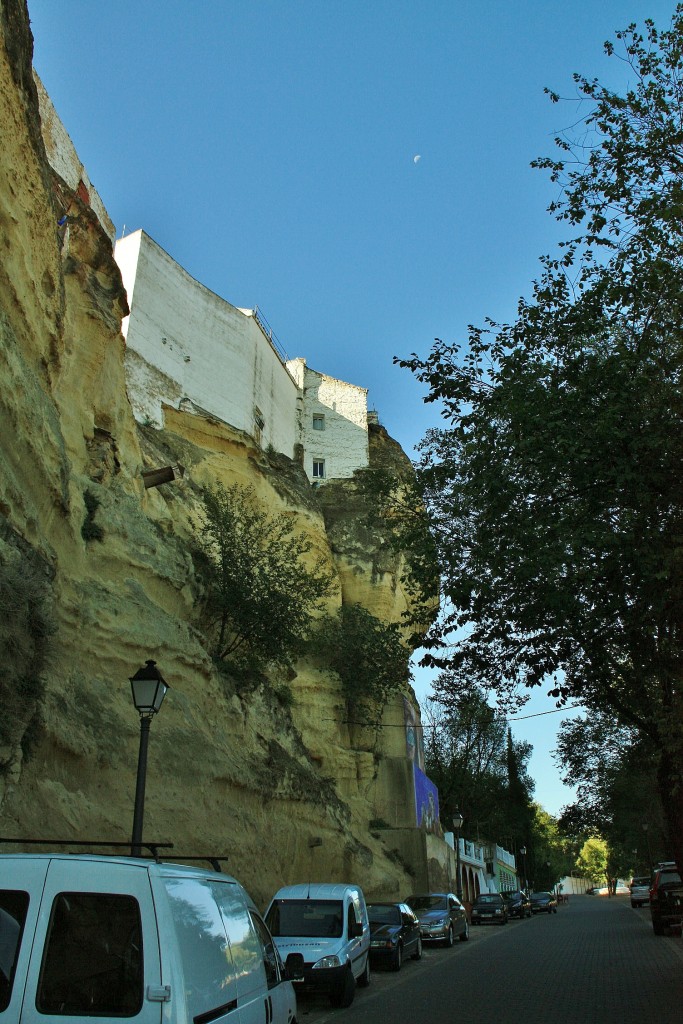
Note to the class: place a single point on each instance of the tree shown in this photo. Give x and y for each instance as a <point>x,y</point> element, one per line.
<point>478,769</point>
<point>593,860</point>
<point>370,658</point>
<point>615,771</point>
<point>554,488</point>
<point>261,590</point>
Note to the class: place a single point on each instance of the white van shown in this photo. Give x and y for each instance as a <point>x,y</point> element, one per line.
<point>85,937</point>
<point>327,924</point>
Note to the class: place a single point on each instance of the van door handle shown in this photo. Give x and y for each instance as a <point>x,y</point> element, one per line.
<point>159,993</point>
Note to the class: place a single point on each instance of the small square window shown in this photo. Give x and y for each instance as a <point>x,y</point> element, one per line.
<point>318,421</point>
<point>318,469</point>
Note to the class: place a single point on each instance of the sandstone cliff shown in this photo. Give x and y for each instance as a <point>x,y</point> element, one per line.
<point>247,775</point>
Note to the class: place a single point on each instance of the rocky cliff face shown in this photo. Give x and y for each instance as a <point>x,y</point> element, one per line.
<point>248,776</point>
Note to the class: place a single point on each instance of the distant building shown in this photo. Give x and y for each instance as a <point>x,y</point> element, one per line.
<point>190,349</point>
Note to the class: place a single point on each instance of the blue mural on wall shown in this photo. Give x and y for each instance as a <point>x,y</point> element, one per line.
<point>426,802</point>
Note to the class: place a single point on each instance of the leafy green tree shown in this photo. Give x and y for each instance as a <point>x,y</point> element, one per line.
<point>478,769</point>
<point>615,771</point>
<point>593,860</point>
<point>554,487</point>
<point>370,658</point>
<point>262,590</point>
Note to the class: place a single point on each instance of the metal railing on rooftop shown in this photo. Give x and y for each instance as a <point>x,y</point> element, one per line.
<point>270,334</point>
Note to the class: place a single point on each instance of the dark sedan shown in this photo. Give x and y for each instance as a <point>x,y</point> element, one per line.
<point>441,915</point>
<point>394,934</point>
<point>489,908</point>
<point>518,904</point>
<point>543,903</point>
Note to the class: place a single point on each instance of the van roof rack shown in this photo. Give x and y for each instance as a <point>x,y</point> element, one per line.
<point>107,843</point>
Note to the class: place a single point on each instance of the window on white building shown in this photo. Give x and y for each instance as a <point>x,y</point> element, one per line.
<point>318,421</point>
<point>318,469</point>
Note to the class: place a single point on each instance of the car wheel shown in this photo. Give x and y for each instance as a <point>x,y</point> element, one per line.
<point>464,936</point>
<point>343,996</point>
<point>364,979</point>
<point>397,958</point>
<point>657,927</point>
<point>448,941</point>
<point>417,955</point>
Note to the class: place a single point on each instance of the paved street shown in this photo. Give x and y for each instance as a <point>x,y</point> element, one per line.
<point>596,961</point>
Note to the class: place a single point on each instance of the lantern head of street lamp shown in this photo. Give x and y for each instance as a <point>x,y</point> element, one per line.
<point>149,688</point>
<point>522,850</point>
<point>457,821</point>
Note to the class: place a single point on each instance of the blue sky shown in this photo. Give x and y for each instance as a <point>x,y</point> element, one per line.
<point>269,148</point>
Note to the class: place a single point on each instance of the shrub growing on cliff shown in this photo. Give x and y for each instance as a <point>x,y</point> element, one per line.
<point>26,626</point>
<point>261,592</point>
<point>369,657</point>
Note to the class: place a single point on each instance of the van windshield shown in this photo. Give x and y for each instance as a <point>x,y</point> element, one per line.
<point>306,918</point>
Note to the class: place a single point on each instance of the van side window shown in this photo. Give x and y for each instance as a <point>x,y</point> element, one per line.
<point>13,907</point>
<point>270,954</point>
<point>351,921</point>
<point>210,985</point>
<point>92,962</point>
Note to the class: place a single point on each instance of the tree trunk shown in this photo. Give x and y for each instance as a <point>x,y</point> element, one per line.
<point>670,778</point>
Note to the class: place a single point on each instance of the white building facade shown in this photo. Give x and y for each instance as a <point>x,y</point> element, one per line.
<point>190,349</point>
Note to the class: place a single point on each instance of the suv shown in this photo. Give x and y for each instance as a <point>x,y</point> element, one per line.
<point>666,899</point>
<point>640,890</point>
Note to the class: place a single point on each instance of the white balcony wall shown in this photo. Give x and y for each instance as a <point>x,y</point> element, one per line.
<point>187,347</point>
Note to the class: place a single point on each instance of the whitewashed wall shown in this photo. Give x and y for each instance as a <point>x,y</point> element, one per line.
<point>343,443</point>
<point>186,346</point>
<point>63,157</point>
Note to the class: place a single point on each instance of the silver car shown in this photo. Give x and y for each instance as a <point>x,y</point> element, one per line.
<point>640,890</point>
<point>441,915</point>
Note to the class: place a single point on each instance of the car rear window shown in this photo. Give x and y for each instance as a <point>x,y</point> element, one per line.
<point>92,963</point>
<point>13,908</point>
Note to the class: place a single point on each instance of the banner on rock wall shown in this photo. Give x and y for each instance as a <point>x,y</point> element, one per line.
<point>426,802</point>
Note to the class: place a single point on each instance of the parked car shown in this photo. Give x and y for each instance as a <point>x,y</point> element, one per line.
<point>517,904</point>
<point>441,915</point>
<point>120,937</point>
<point>543,902</point>
<point>666,899</point>
<point>489,908</point>
<point>394,934</point>
<point>328,924</point>
<point>640,890</point>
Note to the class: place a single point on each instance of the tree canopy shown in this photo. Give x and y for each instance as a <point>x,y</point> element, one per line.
<point>262,588</point>
<point>479,770</point>
<point>554,486</point>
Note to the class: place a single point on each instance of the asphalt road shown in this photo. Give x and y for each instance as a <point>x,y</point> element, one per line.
<point>597,961</point>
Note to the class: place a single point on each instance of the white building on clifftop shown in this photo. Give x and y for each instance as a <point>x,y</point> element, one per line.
<point>190,349</point>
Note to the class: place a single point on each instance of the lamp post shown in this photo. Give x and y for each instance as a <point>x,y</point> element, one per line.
<point>149,689</point>
<point>457,825</point>
<point>522,851</point>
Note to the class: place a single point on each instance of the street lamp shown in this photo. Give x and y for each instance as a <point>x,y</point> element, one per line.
<point>522,851</point>
<point>149,689</point>
<point>457,825</point>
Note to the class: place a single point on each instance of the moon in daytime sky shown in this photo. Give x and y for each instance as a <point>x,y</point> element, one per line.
<point>416,158</point>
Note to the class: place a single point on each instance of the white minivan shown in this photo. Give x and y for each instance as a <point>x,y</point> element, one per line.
<point>114,938</point>
<point>328,924</point>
